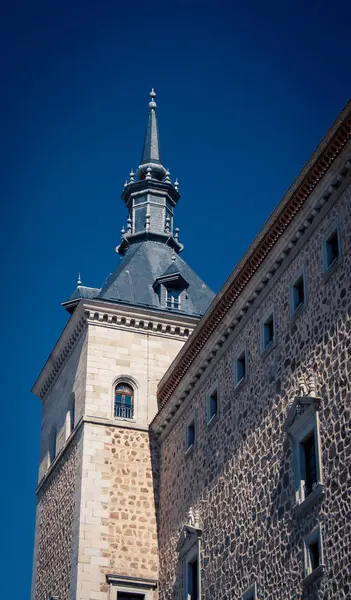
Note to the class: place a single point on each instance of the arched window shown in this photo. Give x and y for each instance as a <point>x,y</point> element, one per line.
<point>124,401</point>
<point>52,446</point>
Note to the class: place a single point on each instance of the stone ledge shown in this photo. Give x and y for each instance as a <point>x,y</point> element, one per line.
<point>301,508</point>
<point>126,580</point>
<point>314,576</point>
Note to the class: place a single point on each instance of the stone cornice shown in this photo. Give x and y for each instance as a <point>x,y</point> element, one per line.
<point>235,287</point>
<point>115,316</point>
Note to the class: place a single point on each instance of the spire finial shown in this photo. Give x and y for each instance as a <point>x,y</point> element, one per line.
<point>152,104</point>
<point>79,282</point>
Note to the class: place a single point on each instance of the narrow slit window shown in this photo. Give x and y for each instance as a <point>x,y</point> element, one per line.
<point>268,332</point>
<point>298,293</point>
<point>190,435</point>
<point>52,446</point>
<point>313,552</point>
<point>212,405</point>
<point>124,401</point>
<point>309,470</point>
<point>332,249</point>
<point>241,367</point>
<point>192,583</point>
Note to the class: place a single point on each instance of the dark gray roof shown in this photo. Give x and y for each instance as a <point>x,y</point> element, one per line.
<point>82,291</point>
<point>132,282</point>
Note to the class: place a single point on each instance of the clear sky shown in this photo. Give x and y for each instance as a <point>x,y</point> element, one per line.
<point>245,91</point>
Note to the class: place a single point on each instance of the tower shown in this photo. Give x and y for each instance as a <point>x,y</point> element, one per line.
<point>96,522</point>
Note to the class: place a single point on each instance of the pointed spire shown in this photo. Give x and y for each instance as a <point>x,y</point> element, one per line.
<point>79,282</point>
<point>151,159</point>
<point>151,151</point>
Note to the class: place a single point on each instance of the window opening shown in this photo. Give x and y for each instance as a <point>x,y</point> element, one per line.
<point>268,331</point>
<point>124,401</point>
<point>173,298</point>
<point>313,551</point>
<point>190,435</point>
<point>298,293</point>
<point>213,405</point>
<point>129,596</point>
<point>332,248</point>
<point>310,463</point>
<point>52,446</point>
<point>193,593</point>
<point>241,367</point>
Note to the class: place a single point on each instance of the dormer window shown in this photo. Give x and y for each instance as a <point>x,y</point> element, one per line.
<point>173,298</point>
<point>124,401</point>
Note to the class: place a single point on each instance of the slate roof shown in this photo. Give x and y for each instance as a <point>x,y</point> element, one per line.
<point>132,282</point>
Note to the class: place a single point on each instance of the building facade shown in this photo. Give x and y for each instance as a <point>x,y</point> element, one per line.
<point>197,447</point>
<point>97,493</point>
<point>254,417</point>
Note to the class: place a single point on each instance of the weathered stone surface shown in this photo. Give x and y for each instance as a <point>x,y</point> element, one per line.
<point>240,473</point>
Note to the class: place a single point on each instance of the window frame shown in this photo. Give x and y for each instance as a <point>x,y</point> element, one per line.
<point>131,585</point>
<point>250,593</point>
<point>191,555</point>
<point>333,228</point>
<point>70,417</point>
<point>170,290</point>
<point>295,310</point>
<point>210,419</point>
<point>190,423</point>
<point>269,313</point>
<point>300,430</point>
<point>311,574</point>
<point>132,383</point>
<point>238,356</point>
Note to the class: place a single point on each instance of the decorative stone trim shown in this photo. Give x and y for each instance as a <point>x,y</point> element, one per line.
<point>282,217</point>
<point>116,317</point>
<point>142,582</point>
<point>243,275</point>
<point>150,325</point>
<point>61,360</point>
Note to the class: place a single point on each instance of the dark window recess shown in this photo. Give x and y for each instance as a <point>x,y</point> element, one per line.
<point>128,596</point>
<point>72,414</point>
<point>173,298</point>
<point>213,405</point>
<point>241,367</point>
<point>190,435</point>
<point>52,446</point>
<point>313,550</point>
<point>309,453</point>
<point>298,293</point>
<point>124,401</point>
<point>332,248</point>
<point>193,593</point>
<point>268,331</point>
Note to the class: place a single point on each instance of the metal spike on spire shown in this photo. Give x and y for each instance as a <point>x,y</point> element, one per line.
<point>79,282</point>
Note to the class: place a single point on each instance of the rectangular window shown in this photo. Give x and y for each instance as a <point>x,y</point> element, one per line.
<point>190,435</point>
<point>331,248</point>
<point>212,405</point>
<point>240,367</point>
<point>309,462</point>
<point>267,331</point>
<point>192,583</point>
<point>173,298</point>
<point>297,294</point>
<point>313,555</point>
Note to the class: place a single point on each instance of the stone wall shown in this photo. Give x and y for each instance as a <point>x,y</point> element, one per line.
<point>72,380</point>
<point>58,499</point>
<point>239,474</point>
<point>118,533</point>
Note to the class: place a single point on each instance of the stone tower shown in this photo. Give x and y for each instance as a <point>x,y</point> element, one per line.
<point>96,522</point>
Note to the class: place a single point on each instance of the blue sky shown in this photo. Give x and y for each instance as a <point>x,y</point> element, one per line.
<point>245,91</point>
